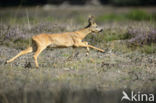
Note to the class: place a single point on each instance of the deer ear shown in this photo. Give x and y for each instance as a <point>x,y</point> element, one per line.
<point>91,19</point>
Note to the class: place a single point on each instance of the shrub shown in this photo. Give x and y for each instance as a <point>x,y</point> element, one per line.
<point>142,37</point>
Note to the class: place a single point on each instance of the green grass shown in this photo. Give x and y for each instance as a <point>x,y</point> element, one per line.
<point>108,36</point>
<point>118,67</point>
<point>136,15</point>
<point>139,15</point>
<point>149,49</point>
<point>111,17</point>
<point>24,20</point>
<point>116,36</point>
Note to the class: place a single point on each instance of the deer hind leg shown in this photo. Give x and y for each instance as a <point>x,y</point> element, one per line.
<point>28,50</point>
<point>38,51</point>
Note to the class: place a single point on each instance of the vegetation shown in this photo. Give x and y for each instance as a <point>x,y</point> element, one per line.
<point>132,2</point>
<point>137,15</point>
<point>76,2</point>
<point>68,75</point>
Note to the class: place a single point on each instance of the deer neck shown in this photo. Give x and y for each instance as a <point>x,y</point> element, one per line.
<point>83,33</point>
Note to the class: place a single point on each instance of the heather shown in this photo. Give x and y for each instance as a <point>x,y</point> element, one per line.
<point>68,75</point>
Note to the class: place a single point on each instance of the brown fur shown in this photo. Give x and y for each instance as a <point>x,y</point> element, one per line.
<point>66,39</point>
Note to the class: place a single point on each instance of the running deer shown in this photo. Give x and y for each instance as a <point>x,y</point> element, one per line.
<point>67,39</point>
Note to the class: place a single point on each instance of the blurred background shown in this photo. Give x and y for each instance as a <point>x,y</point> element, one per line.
<point>67,75</point>
<point>78,2</point>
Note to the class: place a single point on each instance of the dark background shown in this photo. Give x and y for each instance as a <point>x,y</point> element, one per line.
<point>4,3</point>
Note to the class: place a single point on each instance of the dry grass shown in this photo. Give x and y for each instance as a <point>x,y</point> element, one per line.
<point>68,75</point>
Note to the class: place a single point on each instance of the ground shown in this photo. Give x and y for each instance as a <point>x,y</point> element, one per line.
<point>68,75</point>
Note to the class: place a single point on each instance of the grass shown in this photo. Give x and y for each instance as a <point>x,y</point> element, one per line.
<point>116,36</point>
<point>140,15</point>
<point>149,49</point>
<point>19,43</point>
<point>108,35</point>
<point>67,74</point>
<point>135,15</point>
<point>110,17</point>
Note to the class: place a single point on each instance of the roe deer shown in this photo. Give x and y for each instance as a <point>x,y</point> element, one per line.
<point>67,39</point>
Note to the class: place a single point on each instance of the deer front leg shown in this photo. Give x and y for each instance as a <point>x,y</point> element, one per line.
<point>90,46</point>
<point>85,44</point>
<point>39,50</point>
